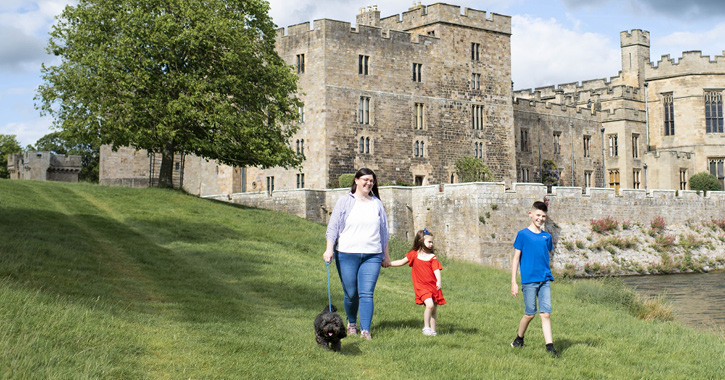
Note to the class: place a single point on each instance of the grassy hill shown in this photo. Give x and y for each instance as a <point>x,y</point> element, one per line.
<point>116,283</point>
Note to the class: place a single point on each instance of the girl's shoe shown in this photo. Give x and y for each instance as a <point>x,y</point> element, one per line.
<point>365,335</point>
<point>428,331</point>
<point>351,329</point>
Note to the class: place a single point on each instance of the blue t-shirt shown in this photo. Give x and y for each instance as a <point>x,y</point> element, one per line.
<point>534,255</point>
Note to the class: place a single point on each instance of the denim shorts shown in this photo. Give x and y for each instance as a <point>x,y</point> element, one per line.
<point>534,290</point>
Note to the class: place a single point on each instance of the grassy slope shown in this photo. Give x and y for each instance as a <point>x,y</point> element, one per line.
<point>101,282</point>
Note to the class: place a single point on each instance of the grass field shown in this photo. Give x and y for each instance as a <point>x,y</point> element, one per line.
<point>116,283</point>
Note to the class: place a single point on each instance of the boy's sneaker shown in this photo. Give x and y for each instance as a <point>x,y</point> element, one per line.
<point>553,351</point>
<point>518,342</point>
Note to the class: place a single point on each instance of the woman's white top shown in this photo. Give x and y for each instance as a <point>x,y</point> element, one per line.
<point>362,229</point>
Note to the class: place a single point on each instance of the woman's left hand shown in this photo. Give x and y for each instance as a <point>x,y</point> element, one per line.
<point>386,261</point>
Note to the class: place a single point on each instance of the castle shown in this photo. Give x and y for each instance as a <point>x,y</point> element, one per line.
<point>410,94</point>
<point>44,166</point>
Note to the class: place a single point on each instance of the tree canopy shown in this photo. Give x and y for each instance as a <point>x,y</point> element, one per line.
<point>472,169</point>
<point>704,181</point>
<point>8,145</point>
<point>188,76</point>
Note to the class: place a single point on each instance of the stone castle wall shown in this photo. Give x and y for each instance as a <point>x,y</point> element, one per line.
<point>44,166</point>
<point>477,222</point>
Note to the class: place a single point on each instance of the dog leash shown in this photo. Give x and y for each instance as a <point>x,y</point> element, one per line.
<point>329,294</point>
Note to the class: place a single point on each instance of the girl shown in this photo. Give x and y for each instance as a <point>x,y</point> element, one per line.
<point>426,274</point>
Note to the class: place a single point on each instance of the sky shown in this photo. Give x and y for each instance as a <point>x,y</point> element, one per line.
<point>552,42</point>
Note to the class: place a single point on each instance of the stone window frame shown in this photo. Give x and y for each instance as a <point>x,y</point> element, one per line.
<point>713,111</point>
<point>614,180</point>
<point>669,113</point>
<point>524,139</point>
<point>636,175</point>
<point>613,144</point>
<point>478,149</point>
<point>419,150</point>
<point>365,144</point>
<point>419,119</point>
<point>270,185</point>
<point>524,174</point>
<point>587,178</point>
<point>362,64</point>
<point>557,142</point>
<point>683,178</point>
<point>300,63</point>
<point>300,146</point>
<point>475,81</point>
<point>587,144</point>
<point>475,51</point>
<point>635,145</point>
<point>301,111</point>
<point>478,117</point>
<point>300,180</point>
<point>715,166</point>
<point>417,72</point>
<point>364,110</point>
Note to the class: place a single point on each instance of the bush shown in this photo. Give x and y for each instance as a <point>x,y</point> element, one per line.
<point>604,225</point>
<point>472,169</point>
<point>346,180</point>
<point>657,224</point>
<point>704,181</point>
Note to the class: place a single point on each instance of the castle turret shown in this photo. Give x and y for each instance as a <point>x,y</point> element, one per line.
<point>635,55</point>
<point>369,15</point>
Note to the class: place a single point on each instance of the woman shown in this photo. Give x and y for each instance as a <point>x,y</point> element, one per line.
<point>357,236</point>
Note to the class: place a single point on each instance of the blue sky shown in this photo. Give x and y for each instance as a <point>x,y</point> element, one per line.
<point>553,42</point>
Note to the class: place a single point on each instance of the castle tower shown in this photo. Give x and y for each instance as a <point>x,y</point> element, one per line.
<point>635,55</point>
<point>369,15</point>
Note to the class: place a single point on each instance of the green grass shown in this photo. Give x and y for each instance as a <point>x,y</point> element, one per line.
<point>115,283</point>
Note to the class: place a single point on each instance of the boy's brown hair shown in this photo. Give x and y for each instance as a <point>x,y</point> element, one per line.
<point>539,205</point>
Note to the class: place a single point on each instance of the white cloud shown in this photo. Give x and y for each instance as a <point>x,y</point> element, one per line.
<point>544,53</point>
<point>710,42</point>
<point>28,131</point>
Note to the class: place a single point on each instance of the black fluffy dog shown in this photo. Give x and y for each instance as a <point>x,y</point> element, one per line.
<point>329,329</point>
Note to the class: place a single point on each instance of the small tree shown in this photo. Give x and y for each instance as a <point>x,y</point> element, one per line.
<point>346,180</point>
<point>704,181</point>
<point>472,169</point>
<point>8,145</point>
<point>549,173</point>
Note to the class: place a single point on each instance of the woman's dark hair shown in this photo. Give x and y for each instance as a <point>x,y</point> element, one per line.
<point>418,241</point>
<point>362,172</point>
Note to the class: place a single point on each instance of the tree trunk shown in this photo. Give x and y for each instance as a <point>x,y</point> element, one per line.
<point>166,172</point>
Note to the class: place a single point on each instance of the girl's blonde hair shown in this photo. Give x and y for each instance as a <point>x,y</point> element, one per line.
<point>418,241</point>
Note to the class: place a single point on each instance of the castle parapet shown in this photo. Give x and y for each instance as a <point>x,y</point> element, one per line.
<point>445,13</point>
<point>691,62</point>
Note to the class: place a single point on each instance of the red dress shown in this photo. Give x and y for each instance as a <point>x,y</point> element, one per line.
<point>424,280</point>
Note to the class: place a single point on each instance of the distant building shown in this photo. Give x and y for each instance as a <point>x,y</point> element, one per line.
<point>408,95</point>
<point>44,166</point>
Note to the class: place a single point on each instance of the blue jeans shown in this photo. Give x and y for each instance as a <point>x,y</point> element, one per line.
<point>359,274</point>
<point>534,290</point>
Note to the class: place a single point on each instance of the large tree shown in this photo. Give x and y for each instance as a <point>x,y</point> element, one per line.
<point>189,76</point>
<point>8,145</point>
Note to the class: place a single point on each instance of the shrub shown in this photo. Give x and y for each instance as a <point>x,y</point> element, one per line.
<point>346,180</point>
<point>568,245</point>
<point>482,219</point>
<point>580,244</point>
<point>494,207</point>
<point>690,241</point>
<point>657,224</point>
<point>472,169</point>
<point>626,225</point>
<point>604,225</point>
<point>664,242</point>
<point>704,181</point>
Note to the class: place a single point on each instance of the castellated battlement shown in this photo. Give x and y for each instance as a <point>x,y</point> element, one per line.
<point>690,62</point>
<point>421,15</point>
<point>635,37</point>
<point>553,109</point>
<point>337,28</point>
<point>573,93</point>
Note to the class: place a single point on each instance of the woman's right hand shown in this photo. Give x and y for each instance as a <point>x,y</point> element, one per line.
<point>327,256</point>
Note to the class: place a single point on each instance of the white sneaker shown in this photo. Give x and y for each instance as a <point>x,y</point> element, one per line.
<point>428,331</point>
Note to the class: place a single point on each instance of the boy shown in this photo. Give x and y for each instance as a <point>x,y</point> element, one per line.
<point>532,246</point>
